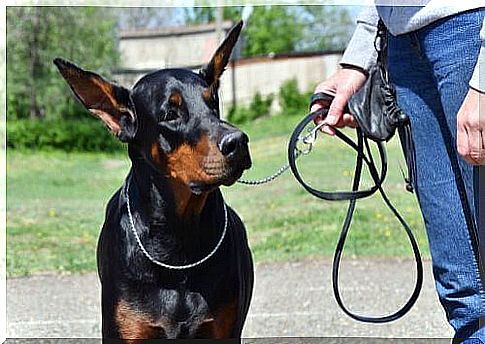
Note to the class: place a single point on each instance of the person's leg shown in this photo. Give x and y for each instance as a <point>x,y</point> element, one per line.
<point>454,264</point>
<point>452,47</point>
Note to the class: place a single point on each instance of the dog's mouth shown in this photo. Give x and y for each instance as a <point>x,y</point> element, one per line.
<point>208,165</point>
<point>226,175</point>
<point>201,187</point>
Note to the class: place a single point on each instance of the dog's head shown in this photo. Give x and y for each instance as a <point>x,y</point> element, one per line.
<point>172,117</point>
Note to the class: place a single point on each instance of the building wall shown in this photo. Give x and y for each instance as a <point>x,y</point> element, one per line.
<point>167,51</point>
<point>267,75</point>
<point>169,47</point>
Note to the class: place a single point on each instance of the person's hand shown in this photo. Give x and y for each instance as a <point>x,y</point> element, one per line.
<point>470,138</point>
<point>342,84</point>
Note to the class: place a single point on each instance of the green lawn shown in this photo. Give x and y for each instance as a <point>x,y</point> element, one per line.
<point>56,201</point>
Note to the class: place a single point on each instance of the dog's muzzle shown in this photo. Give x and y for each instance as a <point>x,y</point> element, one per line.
<point>234,148</point>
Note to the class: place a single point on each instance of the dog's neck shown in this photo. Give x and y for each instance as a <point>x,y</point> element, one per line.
<point>167,200</point>
<point>177,234</point>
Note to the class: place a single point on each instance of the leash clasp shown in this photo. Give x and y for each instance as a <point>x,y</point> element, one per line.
<point>310,138</point>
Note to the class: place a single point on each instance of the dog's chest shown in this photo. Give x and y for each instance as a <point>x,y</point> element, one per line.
<point>182,312</point>
<point>168,313</point>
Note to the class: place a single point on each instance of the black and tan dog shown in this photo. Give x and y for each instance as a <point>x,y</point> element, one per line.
<point>170,213</point>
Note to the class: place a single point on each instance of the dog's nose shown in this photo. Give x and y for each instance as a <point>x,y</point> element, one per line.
<point>233,143</point>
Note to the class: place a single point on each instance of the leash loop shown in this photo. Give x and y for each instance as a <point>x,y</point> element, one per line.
<point>164,265</point>
<point>361,147</point>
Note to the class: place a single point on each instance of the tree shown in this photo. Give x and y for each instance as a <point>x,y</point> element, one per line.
<point>269,29</point>
<point>35,36</point>
<point>272,29</point>
<point>284,29</point>
<point>145,17</point>
<point>204,15</point>
<point>326,28</point>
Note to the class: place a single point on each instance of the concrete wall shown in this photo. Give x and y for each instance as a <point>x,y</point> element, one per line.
<point>164,52</point>
<point>169,47</point>
<point>266,75</point>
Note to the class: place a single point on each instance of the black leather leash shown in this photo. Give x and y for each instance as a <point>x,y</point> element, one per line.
<point>364,156</point>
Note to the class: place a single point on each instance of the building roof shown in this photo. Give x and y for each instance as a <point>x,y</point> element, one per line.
<point>242,61</point>
<point>172,31</point>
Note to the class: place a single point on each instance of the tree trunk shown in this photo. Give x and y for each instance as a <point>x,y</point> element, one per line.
<point>34,63</point>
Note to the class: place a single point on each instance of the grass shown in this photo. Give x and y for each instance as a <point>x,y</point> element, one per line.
<point>56,201</point>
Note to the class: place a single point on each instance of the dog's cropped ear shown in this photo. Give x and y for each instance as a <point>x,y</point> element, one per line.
<point>214,69</point>
<point>110,102</point>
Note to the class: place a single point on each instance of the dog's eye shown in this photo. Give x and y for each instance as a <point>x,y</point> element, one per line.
<point>169,115</point>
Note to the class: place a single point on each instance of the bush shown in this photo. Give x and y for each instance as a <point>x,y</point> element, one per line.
<point>291,100</point>
<point>68,135</point>
<point>259,107</point>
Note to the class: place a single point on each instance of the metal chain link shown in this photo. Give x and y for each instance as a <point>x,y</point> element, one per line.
<point>309,139</point>
<point>164,265</point>
<point>272,177</point>
<point>266,179</point>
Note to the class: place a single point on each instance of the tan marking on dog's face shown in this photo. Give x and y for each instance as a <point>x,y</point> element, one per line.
<point>176,99</point>
<point>187,204</point>
<point>134,326</point>
<point>186,164</point>
<point>201,163</point>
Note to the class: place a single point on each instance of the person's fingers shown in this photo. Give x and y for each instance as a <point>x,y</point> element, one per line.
<point>481,159</point>
<point>337,108</point>
<point>316,106</point>
<point>349,120</point>
<point>482,146</point>
<point>328,130</point>
<point>319,104</point>
<point>341,85</point>
<point>474,143</point>
<point>323,87</point>
<point>462,143</point>
<point>470,141</point>
<point>476,146</point>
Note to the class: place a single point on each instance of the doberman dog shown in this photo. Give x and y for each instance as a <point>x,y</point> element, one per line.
<point>173,259</point>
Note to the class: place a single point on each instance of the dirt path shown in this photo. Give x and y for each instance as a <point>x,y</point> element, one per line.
<point>290,299</point>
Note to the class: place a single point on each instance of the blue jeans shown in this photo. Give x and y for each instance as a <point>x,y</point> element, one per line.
<point>430,69</point>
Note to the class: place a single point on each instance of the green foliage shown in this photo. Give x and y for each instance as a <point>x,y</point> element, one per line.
<point>35,36</point>
<point>326,28</point>
<point>284,29</point>
<point>204,15</point>
<point>272,29</point>
<point>67,135</point>
<point>291,100</point>
<point>259,107</point>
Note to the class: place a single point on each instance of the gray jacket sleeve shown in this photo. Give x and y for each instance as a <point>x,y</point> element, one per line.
<point>478,78</point>
<point>360,51</point>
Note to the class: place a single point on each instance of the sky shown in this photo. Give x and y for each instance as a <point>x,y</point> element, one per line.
<point>354,11</point>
